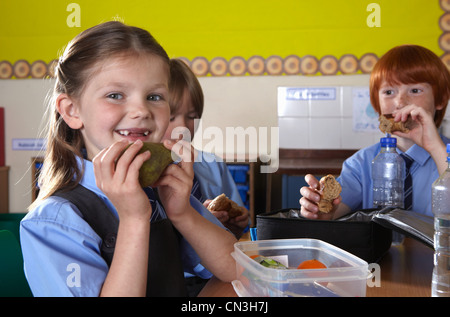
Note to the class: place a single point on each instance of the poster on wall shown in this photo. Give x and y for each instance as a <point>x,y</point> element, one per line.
<point>365,119</point>
<point>29,144</point>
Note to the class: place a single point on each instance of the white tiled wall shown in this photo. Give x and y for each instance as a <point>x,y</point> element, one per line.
<point>445,126</point>
<point>325,123</point>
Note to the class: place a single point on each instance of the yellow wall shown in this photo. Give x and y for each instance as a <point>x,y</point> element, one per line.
<point>234,37</point>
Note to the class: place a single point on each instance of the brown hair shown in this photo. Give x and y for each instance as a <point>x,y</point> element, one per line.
<point>410,64</point>
<point>182,78</point>
<point>77,63</point>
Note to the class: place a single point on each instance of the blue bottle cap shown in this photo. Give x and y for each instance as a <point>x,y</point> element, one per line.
<point>448,152</point>
<point>392,142</point>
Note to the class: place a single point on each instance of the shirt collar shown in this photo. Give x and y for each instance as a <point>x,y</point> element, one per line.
<point>418,154</point>
<point>88,179</point>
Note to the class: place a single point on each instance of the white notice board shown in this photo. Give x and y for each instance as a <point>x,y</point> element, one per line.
<point>365,119</point>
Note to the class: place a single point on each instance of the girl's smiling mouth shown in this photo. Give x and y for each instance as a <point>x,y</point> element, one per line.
<point>134,134</point>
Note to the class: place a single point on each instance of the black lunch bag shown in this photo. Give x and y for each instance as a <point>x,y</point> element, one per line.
<point>366,233</point>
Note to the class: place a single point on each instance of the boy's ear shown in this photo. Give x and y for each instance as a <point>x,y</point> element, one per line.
<point>441,106</point>
<point>69,111</point>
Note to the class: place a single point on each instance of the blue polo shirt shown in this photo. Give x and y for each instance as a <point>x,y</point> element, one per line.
<point>356,178</point>
<point>215,178</point>
<point>62,252</point>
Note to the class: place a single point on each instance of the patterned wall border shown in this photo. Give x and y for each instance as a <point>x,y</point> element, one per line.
<point>255,65</point>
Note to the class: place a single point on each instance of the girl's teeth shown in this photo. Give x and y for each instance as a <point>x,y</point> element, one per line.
<point>126,133</point>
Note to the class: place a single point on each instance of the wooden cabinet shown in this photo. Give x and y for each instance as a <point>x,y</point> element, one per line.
<point>4,189</point>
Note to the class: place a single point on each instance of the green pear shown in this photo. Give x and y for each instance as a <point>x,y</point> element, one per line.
<point>152,169</point>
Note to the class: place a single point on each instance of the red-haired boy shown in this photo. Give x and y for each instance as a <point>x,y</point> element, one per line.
<point>409,80</point>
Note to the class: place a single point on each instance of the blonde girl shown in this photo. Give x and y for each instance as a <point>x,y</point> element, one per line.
<point>111,91</point>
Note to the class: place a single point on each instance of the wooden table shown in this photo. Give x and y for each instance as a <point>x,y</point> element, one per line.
<point>405,272</point>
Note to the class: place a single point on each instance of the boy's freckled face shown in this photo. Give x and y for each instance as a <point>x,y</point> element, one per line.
<point>396,96</point>
<point>125,98</point>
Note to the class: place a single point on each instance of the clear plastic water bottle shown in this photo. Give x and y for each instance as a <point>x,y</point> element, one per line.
<point>440,197</point>
<point>388,172</point>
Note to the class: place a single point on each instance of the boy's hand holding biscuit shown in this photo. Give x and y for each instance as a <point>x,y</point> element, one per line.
<point>321,199</point>
<point>223,203</point>
<point>330,190</point>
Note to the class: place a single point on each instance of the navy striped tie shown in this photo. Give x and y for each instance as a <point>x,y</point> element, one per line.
<point>196,191</point>
<point>158,211</point>
<point>408,182</point>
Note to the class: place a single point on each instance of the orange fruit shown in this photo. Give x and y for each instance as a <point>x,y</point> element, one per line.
<point>311,264</point>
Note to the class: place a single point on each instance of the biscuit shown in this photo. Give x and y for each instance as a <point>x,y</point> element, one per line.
<point>330,190</point>
<point>388,125</point>
<point>223,203</point>
<point>325,206</point>
<point>235,210</point>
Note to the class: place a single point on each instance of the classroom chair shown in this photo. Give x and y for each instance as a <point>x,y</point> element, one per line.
<point>12,278</point>
<point>11,222</point>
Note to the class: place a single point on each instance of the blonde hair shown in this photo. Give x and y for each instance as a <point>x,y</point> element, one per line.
<point>94,45</point>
